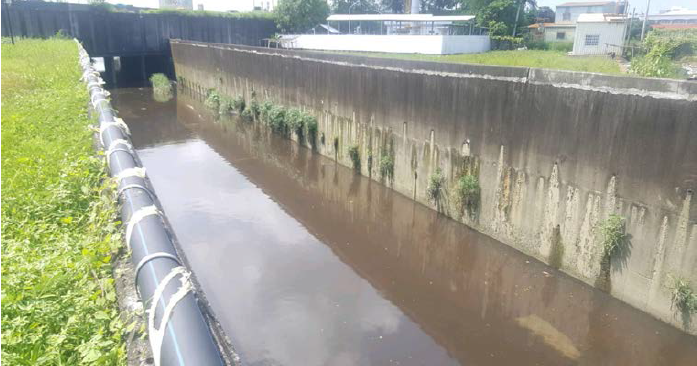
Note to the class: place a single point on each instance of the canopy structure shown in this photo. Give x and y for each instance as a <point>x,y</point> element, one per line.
<point>392,24</point>
<point>399,17</point>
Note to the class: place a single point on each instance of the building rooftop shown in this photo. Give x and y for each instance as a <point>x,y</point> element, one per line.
<point>553,25</point>
<point>676,10</point>
<point>600,18</point>
<point>590,3</point>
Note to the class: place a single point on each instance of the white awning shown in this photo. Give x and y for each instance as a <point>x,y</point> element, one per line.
<point>399,17</point>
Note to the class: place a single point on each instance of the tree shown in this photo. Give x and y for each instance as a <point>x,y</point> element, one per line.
<point>499,16</point>
<point>392,6</point>
<point>356,7</point>
<point>545,14</point>
<point>297,16</point>
<point>440,6</point>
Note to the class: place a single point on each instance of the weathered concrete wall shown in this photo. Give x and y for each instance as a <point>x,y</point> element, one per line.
<point>113,33</point>
<point>556,152</point>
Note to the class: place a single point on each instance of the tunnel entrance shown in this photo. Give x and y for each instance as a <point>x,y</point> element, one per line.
<point>133,71</point>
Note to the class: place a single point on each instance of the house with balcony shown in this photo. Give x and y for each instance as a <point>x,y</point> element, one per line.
<point>564,27</point>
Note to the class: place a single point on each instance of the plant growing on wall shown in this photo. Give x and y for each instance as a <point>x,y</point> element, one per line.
<point>435,191</point>
<point>212,99</point>
<point>265,110</point>
<point>311,125</point>
<point>467,193</point>
<point>355,156</point>
<point>239,104</point>
<point>255,108</point>
<point>225,106</point>
<point>247,115</point>
<point>296,121</point>
<point>386,165</point>
<point>683,297</point>
<point>277,120</point>
<point>614,236</point>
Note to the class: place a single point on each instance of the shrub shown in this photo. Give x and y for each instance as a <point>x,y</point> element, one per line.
<point>386,165</point>
<point>254,108</point>
<point>311,125</point>
<point>537,45</point>
<point>684,298</point>
<point>612,231</point>
<point>562,46</point>
<point>467,193</point>
<point>277,120</point>
<point>239,104</point>
<point>355,157</point>
<point>247,115</point>
<point>296,121</point>
<point>265,110</point>
<point>436,187</point>
<point>160,82</point>
<point>212,99</point>
<point>226,106</point>
<point>506,42</point>
<point>663,47</point>
<point>162,87</point>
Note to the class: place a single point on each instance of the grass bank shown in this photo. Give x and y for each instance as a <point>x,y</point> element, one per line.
<point>529,58</point>
<point>58,225</point>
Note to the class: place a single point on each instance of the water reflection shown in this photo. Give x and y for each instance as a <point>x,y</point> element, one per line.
<point>307,263</point>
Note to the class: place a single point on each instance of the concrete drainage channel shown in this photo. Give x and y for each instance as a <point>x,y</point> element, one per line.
<point>178,330</point>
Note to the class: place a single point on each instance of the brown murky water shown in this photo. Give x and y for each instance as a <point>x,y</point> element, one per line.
<point>306,263</point>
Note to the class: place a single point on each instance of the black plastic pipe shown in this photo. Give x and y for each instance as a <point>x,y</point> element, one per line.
<point>179,333</point>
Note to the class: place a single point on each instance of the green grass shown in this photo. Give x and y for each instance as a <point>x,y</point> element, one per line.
<point>58,219</point>
<point>529,58</point>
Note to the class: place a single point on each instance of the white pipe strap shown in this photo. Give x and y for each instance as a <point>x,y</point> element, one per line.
<point>157,335</point>
<point>97,97</point>
<point>113,147</point>
<point>136,217</point>
<point>136,172</point>
<point>123,125</point>
<point>113,144</point>
<point>118,123</point>
<point>98,83</point>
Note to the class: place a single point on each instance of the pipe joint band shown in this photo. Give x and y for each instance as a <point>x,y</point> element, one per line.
<point>136,217</point>
<point>117,123</point>
<point>149,258</point>
<point>135,186</point>
<point>135,172</point>
<point>157,334</point>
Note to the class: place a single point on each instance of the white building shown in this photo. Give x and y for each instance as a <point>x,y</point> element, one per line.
<point>675,18</point>
<point>564,27</point>
<point>396,33</point>
<point>599,34</point>
<point>569,12</point>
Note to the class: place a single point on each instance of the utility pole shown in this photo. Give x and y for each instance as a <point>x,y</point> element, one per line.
<point>629,30</point>
<point>9,19</point>
<point>646,17</point>
<point>517,14</point>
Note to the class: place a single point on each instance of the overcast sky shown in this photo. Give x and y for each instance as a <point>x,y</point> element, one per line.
<point>242,5</point>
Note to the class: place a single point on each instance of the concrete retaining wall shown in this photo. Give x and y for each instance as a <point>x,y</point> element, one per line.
<point>115,33</point>
<point>556,152</point>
